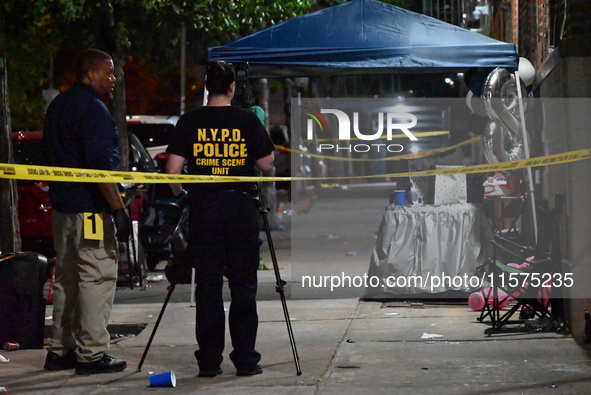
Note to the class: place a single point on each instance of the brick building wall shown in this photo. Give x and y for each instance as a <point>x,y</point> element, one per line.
<point>563,56</point>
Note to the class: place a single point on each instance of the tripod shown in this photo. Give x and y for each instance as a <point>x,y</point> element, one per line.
<point>279,283</point>
<point>279,287</point>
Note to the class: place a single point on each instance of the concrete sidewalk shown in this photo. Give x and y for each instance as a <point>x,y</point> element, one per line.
<point>346,346</point>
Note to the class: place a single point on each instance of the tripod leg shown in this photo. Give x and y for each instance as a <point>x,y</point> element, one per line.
<point>279,287</point>
<point>170,290</point>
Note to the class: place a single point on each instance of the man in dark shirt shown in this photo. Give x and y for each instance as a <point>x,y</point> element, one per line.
<point>220,139</point>
<point>87,219</point>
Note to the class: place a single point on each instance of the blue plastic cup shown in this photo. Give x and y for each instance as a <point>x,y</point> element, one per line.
<point>400,198</point>
<point>167,379</point>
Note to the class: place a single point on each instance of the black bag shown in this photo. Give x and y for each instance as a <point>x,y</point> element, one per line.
<point>22,305</point>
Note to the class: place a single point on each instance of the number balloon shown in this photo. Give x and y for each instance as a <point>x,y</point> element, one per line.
<point>502,140</point>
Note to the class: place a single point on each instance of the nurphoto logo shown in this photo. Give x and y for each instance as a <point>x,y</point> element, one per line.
<point>347,130</point>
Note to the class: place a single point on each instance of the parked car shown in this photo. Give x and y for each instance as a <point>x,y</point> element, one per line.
<point>152,130</point>
<point>34,206</point>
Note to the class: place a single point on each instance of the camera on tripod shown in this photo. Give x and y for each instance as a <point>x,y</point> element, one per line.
<point>242,97</point>
<point>242,94</point>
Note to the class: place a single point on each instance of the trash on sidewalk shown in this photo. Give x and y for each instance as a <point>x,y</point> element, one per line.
<point>540,325</point>
<point>3,389</point>
<point>3,359</point>
<point>262,266</point>
<point>430,336</point>
<point>350,341</point>
<point>167,379</point>
<point>283,216</point>
<point>8,346</point>
<point>351,253</point>
<point>117,337</point>
<point>392,314</point>
<point>155,278</point>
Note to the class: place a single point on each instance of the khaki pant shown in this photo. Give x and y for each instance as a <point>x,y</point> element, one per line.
<point>84,288</point>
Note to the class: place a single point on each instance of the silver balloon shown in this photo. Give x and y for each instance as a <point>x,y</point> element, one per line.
<point>500,145</point>
<point>475,104</point>
<point>501,102</point>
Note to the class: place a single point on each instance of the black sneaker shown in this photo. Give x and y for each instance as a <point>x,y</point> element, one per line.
<point>249,372</point>
<point>210,373</point>
<point>55,362</point>
<point>106,364</point>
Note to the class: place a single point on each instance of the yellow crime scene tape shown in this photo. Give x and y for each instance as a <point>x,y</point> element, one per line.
<point>43,173</point>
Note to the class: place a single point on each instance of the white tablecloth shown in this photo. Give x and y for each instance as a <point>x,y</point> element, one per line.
<point>435,243</point>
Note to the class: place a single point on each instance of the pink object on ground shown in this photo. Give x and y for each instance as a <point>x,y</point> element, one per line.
<point>476,300</point>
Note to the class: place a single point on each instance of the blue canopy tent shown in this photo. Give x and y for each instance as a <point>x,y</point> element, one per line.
<point>364,36</point>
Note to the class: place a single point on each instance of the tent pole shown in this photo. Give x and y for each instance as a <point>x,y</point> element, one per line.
<point>526,148</point>
<point>205,92</point>
<point>183,62</point>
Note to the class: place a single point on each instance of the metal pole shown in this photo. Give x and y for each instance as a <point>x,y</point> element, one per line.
<point>526,149</point>
<point>130,267</point>
<point>183,65</point>
<point>192,302</point>
<point>136,263</point>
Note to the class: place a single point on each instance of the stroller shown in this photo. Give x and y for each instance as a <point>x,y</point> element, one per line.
<point>163,230</point>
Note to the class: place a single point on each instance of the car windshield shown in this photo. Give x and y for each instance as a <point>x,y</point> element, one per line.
<point>139,157</point>
<point>151,135</point>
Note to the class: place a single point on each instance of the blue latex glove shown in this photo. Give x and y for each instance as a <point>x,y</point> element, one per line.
<point>259,113</point>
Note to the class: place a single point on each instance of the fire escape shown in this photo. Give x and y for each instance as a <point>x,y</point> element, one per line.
<point>538,27</point>
<point>469,14</point>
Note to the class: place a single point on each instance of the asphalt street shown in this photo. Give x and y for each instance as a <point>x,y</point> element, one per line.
<point>336,236</point>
